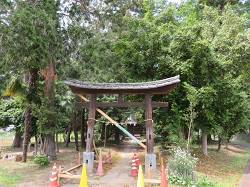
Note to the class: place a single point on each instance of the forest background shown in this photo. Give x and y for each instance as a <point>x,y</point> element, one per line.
<point>44,42</point>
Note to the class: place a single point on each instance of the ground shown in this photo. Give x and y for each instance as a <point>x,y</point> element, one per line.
<point>226,167</point>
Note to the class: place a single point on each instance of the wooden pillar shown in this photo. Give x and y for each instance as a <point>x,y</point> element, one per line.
<point>91,123</point>
<point>149,124</point>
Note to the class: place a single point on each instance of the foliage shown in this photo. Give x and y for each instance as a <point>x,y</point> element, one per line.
<point>44,115</point>
<point>180,181</point>
<point>206,43</point>
<point>12,112</point>
<point>181,162</point>
<point>42,160</point>
<point>181,169</point>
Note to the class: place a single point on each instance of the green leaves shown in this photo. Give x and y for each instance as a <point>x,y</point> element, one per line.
<point>30,31</point>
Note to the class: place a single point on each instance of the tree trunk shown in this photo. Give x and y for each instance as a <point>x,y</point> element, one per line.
<point>57,143</point>
<point>117,135</point>
<point>18,140</point>
<point>27,122</point>
<point>35,151</point>
<point>75,132</point>
<point>48,73</point>
<point>204,141</point>
<point>50,148</point>
<point>67,139</point>
<point>83,125</point>
<point>182,132</point>
<point>219,142</point>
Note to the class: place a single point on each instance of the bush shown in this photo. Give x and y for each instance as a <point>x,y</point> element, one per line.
<point>181,162</point>
<point>41,160</point>
<point>181,167</point>
<point>180,181</point>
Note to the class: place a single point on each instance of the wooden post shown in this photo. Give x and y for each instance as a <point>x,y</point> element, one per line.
<point>91,123</point>
<point>79,158</point>
<point>149,124</point>
<point>149,184</point>
<point>105,136</point>
<point>58,175</point>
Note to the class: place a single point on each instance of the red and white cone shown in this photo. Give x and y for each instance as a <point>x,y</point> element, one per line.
<point>53,178</point>
<point>164,182</point>
<point>108,159</point>
<point>134,171</point>
<point>100,169</point>
<point>137,161</point>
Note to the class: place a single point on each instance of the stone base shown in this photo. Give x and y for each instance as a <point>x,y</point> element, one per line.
<point>88,159</point>
<point>150,162</point>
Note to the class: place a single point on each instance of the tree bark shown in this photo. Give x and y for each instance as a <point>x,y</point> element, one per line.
<point>117,135</point>
<point>219,143</point>
<point>27,122</point>
<point>48,73</point>
<point>75,132</point>
<point>50,148</point>
<point>18,140</point>
<point>204,141</point>
<point>83,125</point>
<point>57,143</point>
<point>67,139</point>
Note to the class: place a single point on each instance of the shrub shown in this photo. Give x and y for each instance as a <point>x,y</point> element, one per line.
<point>181,167</point>
<point>42,160</point>
<point>180,181</point>
<point>181,162</point>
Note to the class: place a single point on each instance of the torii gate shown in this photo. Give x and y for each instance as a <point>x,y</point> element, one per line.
<point>82,88</point>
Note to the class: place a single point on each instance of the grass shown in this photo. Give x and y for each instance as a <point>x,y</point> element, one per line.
<point>8,177</point>
<point>224,168</point>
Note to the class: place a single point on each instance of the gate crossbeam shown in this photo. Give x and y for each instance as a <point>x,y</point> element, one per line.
<point>115,123</point>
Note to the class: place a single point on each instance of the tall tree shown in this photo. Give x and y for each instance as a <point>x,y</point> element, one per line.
<point>31,42</point>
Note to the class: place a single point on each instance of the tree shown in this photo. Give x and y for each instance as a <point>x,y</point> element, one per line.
<point>192,43</point>
<point>12,113</point>
<point>30,38</point>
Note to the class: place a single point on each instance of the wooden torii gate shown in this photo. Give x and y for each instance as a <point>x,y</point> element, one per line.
<point>148,89</point>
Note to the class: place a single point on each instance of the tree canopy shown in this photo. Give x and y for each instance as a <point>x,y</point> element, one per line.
<point>205,42</point>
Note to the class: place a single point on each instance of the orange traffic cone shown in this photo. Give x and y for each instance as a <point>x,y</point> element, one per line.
<point>108,160</point>
<point>100,169</point>
<point>53,178</point>
<point>134,171</point>
<point>137,159</point>
<point>164,182</point>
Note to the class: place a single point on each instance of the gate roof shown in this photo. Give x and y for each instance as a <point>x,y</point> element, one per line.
<point>155,87</point>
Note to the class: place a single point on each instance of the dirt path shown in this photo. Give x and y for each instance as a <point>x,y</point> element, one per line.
<point>119,174</point>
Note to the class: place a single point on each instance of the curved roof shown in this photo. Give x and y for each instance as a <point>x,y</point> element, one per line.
<point>155,87</point>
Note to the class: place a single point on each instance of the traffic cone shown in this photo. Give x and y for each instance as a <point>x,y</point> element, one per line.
<point>140,180</point>
<point>83,182</point>
<point>100,169</point>
<point>137,159</point>
<point>164,182</point>
<point>134,171</point>
<point>108,160</point>
<point>53,178</point>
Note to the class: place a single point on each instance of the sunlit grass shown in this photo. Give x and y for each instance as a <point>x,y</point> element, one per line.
<point>226,167</point>
<point>8,177</point>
